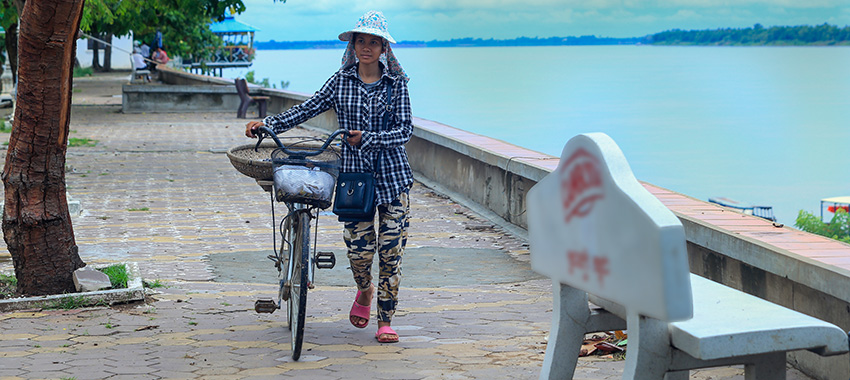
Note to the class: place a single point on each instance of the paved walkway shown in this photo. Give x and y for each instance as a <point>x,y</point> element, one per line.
<point>156,190</point>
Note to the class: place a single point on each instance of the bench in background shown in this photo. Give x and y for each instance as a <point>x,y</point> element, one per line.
<point>247,100</point>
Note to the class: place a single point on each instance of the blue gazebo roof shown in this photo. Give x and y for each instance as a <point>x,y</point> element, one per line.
<point>231,25</point>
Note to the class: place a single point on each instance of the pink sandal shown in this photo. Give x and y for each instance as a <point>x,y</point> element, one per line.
<point>360,311</point>
<point>386,330</point>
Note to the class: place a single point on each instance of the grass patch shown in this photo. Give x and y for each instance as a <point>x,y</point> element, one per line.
<point>139,209</point>
<point>83,72</point>
<point>5,126</point>
<point>117,274</point>
<point>75,142</point>
<point>67,303</point>
<point>8,286</point>
<point>153,285</point>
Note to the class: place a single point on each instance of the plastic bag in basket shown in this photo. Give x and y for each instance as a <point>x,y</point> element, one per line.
<point>301,184</point>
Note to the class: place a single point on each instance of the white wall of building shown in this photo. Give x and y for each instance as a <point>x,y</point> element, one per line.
<point>120,55</point>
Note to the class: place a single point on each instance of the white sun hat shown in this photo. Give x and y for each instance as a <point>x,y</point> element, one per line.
<point>374,23</point>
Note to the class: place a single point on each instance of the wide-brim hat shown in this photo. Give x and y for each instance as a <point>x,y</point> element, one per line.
<point>374,23</point>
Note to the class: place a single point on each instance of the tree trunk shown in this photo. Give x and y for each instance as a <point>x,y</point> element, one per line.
<point>95,54</point>
<point>107,53</point>
<point>36,221</point>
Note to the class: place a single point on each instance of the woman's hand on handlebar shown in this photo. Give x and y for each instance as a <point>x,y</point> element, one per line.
<point>251,128</point>
<point>354,138</point>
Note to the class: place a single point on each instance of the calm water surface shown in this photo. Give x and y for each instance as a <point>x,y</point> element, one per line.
<point>765,125</point>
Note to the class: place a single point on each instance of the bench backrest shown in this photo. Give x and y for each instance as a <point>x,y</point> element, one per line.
<point>594,227</point>
<point>242,89</point>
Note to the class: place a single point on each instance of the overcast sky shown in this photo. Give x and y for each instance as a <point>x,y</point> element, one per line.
<point>306,20</point>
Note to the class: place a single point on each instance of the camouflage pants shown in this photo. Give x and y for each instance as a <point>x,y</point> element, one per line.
<point>362,241</point>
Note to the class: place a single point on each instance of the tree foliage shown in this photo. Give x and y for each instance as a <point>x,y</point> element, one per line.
<point>824,34</point>
<point>184,24</point>
<point>838,228</point>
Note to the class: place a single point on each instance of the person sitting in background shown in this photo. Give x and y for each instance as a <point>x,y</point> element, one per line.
<point>139,60</point>
<point>146,50</point>
<point>160,57</point>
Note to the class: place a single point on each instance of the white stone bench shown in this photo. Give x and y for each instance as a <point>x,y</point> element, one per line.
<point>602,237</point>
<point>138,76</point>
<point>141,76</point>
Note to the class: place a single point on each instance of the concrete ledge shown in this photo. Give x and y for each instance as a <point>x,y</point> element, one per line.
<point>135,291</point>
<point>827,278</point>
<point>138,98</point>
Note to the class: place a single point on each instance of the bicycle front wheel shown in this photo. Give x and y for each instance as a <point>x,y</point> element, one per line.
<point>297,303</point>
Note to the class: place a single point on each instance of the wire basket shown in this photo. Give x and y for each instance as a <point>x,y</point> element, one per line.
<point>299,184</point>
<point>328,161</point>
<point>307,180</point>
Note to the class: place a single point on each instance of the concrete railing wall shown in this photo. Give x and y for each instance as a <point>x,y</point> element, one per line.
<point>497,184</point>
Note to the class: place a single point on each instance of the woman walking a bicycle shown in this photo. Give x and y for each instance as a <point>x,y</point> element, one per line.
<point>358,94</point>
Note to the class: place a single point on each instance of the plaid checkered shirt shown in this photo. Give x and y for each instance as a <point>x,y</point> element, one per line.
<point>360,107</point>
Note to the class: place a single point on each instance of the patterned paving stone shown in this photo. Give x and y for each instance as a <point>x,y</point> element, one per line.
<point>153,193</point>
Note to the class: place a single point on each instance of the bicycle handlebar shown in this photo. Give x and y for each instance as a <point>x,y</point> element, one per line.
<point>263,132</point>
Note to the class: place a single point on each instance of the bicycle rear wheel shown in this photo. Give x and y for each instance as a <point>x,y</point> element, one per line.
<point>297,303</point>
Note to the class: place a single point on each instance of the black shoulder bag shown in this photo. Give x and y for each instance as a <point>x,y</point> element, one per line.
<point>355,191</point>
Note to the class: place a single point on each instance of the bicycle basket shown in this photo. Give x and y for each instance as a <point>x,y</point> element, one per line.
<point>253,164</point>
<point>327,161</point>
<point>308,180</point>
<point>300,184</point>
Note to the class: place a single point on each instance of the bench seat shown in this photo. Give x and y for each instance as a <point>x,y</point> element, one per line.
<point>729,323</point>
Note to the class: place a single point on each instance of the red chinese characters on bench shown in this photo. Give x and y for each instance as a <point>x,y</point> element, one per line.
<point>581,184</point>
<point>580,261</point>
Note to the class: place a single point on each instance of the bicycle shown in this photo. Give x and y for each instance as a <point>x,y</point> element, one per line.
<point>304,179</point>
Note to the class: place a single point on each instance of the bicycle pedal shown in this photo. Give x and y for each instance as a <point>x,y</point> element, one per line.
<point>265,306</point>
<point>325,260</point>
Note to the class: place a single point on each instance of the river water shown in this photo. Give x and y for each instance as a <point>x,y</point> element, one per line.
<point>764,125</point>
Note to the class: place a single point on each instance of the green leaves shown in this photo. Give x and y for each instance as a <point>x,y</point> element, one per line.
<point>838,228</point>
<point>184,23</point>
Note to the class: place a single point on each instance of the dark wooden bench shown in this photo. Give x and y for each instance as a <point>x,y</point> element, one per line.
<point>247,100</point>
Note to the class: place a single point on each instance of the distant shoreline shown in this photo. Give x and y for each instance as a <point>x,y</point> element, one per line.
<point>460,42</point>
<point>757,35</point>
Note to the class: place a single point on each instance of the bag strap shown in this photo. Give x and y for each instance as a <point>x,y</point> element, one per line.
<point>385,123</point>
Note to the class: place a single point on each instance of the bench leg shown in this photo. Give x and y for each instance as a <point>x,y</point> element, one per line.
<point>767,367</point>
<point>261,105</point>
<point>243,109</point>
<point>649,354</point>
<point>569,319</point>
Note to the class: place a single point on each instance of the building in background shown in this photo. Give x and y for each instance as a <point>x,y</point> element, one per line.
<point>121,50</point>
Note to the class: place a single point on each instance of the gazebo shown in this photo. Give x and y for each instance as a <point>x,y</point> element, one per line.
<point>238,40</point>
<point>238,49</point>
<point>834,204</point>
